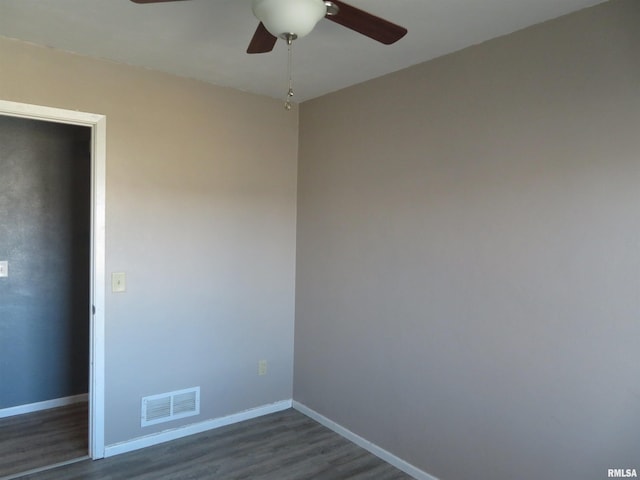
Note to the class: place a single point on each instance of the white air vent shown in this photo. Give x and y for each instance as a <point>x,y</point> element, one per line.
<point>170,406</point>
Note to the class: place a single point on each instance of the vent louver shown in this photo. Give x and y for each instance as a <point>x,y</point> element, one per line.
<point>170,406</point>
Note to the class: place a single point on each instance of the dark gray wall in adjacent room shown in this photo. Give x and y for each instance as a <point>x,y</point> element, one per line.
<point>45,237</point>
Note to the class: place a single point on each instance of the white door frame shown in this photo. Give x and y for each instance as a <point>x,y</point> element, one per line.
<point>97,123</point>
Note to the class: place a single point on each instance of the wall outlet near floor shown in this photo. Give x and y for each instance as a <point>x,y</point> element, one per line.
<point>262,367</point>
<point>4,268</point>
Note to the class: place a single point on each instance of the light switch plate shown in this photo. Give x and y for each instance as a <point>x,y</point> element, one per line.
<point>118,282</point>
<point>4,268</point>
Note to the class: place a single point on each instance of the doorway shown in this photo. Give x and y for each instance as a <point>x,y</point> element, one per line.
<point>91,129</point>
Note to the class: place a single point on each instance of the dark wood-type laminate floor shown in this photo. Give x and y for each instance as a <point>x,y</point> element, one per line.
<point>282,446</point>
<point>43,438</point>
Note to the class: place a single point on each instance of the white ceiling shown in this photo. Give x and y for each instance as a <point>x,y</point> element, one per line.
<point>207,39</point>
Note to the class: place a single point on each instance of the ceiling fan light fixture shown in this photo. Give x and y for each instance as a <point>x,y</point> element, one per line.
<point>289,18</point>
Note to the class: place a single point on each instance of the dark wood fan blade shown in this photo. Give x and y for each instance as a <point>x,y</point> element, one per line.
<point>367,24</point>
<point>155,1</point>
<point>262,41</point>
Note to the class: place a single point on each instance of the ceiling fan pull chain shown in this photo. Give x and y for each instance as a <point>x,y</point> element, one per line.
<point>287,103</point>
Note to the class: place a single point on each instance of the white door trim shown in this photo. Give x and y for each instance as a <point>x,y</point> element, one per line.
<point>98,275</point>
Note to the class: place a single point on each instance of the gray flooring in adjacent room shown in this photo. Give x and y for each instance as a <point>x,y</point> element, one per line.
<point>43,438</point>
<point>282,446</point>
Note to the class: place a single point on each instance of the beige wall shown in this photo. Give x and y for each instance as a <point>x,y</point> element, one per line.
<point>468,265</point>
<point>200,214</point>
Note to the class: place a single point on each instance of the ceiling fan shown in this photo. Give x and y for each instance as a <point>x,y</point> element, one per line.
<point>291,19</point>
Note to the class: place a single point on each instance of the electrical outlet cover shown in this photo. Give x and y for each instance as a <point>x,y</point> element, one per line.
<point>262,367</point>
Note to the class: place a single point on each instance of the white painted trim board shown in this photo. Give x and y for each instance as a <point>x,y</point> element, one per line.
<point>379,452</point>
<point>97,123</point>
<point>45,405</point>
<point>180,432</point>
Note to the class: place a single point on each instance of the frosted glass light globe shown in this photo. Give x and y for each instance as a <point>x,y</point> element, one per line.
<point>282,17</point>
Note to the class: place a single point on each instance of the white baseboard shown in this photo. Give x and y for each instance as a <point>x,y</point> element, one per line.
<point>366,444</point>
<point>180,432</point>
<point>47,404</point>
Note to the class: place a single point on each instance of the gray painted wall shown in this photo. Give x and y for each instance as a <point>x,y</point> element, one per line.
<point>200,214</point>
<point>44,235</point>
<point>468,262</point>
